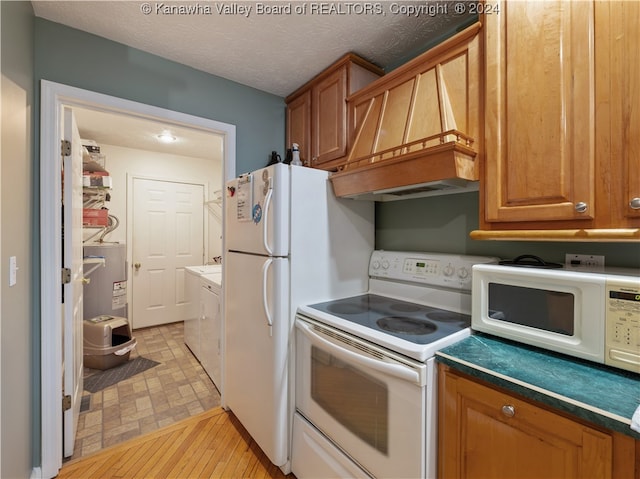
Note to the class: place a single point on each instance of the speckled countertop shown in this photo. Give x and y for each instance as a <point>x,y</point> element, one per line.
<point>604,396</point>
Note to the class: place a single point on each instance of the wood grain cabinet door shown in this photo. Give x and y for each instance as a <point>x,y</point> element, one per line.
<point>617,73</point>
<point>328,121</point>
<point>540,127</point>
<point>317,111</point>
<point>299,125</point>
<point>486,433</point>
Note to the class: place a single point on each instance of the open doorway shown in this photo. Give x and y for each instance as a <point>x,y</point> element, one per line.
<point>155,208</point>
<point>155,224</point>
<point>53,99</point>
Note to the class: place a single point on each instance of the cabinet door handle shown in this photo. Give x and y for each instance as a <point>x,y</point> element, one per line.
<point>508,410</point>
<point>635,203</point>
<point>581,207</point>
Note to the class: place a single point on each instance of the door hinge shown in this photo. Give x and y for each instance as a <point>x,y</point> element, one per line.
<point>66,402</point>
<point>65,147</point>
<point>66,276</point>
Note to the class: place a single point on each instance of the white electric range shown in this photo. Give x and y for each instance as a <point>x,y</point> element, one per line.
<point>365,369</point>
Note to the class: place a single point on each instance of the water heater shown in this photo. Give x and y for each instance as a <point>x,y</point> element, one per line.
<point>106,292</point>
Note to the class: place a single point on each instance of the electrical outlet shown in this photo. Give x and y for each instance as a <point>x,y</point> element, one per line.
<point>588,261</point>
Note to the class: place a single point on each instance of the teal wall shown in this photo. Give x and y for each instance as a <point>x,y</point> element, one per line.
<point>443,224</point>
<point>73,57</point>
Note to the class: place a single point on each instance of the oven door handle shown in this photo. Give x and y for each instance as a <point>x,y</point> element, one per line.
<point>401,372</point>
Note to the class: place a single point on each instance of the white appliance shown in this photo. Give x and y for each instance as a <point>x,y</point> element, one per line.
<point>365,368</point>
<point>106,292</point>
<point>590,315</point>
<point>203,322</point>
<point>211,327</point>
<point>192,285</point>
<point>289,241</point>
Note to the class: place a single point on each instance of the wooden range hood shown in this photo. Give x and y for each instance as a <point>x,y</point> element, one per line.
<point>418,128</point>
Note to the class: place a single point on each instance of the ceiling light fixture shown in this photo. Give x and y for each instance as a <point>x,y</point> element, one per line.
<point>166,137</point>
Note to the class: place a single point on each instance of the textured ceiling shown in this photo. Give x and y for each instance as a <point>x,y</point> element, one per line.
<point>275,52</point>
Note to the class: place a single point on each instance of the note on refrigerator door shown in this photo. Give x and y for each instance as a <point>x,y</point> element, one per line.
<point>244,195</point>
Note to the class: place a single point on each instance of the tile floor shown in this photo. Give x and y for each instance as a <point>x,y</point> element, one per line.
<point>175,389</point>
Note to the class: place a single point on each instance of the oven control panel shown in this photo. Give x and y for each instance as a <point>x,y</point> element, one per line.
<point>436,269</point>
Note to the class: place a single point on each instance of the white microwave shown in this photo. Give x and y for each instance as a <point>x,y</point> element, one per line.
<point>590,315</point>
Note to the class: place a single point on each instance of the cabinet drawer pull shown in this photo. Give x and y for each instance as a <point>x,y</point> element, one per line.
<point>635,203</point>
<point>508,410</point>
<point>581,207</point>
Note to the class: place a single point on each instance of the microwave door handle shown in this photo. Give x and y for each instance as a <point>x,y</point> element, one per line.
<point>265,301</point>
<point>265,219</point>
<point>346,355</point>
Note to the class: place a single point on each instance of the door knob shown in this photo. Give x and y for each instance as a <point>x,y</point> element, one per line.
<point>137,266</point>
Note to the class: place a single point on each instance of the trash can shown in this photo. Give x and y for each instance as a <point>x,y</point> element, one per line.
<point>107,341</point>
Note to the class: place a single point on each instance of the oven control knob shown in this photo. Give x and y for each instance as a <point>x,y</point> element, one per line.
<point>448,270</point>
<point>463,273</point>
<point>376,264</point>
<point>385,264</point>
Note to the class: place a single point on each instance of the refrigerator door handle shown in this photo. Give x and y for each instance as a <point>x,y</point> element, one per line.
<point>265,302</point>
<point>267,205</point>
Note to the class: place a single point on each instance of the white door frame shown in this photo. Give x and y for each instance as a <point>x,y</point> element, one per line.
<point>53,97</point>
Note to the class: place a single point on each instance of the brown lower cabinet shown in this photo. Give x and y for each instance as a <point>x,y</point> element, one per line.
<point>488,432</point>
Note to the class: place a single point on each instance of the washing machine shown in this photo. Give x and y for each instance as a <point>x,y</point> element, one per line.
<point>211,327</point>
<point>192,287</point>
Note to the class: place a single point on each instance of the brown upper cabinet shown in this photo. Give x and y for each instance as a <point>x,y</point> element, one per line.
<point>562,121</point>
<point>417,130</point>
<point>317,111</point>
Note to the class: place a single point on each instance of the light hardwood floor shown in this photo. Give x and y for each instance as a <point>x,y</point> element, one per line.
<point>212,444</point>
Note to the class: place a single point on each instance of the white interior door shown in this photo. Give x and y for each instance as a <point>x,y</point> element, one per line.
<point>72,293</point>
<point>167,237</point>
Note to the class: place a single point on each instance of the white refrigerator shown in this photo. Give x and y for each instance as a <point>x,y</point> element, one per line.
<point>288,241</point>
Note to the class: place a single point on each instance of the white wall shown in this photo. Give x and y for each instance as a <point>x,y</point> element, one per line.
<point>123,163</point>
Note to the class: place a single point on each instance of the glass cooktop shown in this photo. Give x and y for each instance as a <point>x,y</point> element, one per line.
<point>412,322</point>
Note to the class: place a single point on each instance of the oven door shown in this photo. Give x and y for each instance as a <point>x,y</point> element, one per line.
<point>368,401</point>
